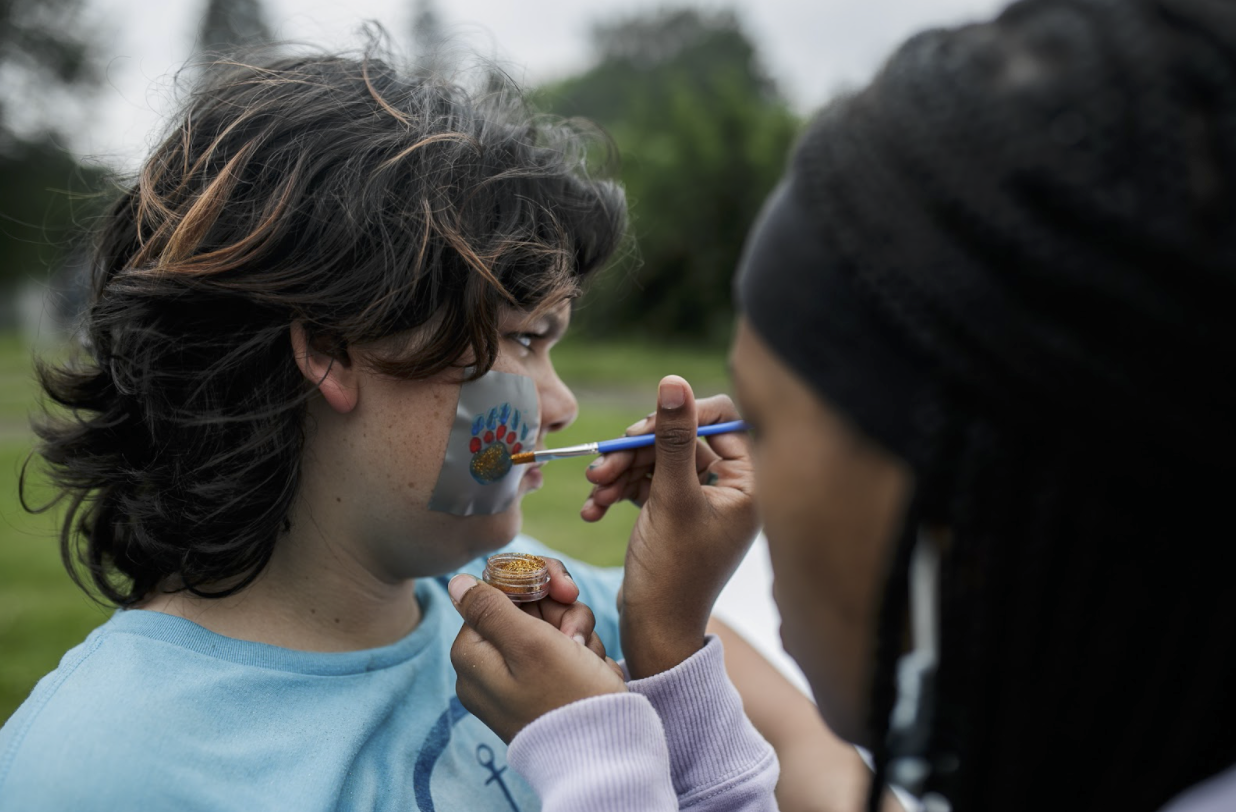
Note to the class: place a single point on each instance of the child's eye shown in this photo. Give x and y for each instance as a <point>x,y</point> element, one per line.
<point>524,339</point>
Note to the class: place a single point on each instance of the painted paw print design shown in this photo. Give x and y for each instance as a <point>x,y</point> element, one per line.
<point>495,437</point>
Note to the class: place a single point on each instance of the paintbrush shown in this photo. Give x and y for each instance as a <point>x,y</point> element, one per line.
<point>620,444</point>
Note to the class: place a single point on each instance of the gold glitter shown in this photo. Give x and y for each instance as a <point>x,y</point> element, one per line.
<point>491,464</point>
<point>522,576</point>
<point>525,563</point>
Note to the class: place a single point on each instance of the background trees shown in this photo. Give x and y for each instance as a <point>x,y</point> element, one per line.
<point>703,134</point>
<point>700,129</point>
<point>48,70</point>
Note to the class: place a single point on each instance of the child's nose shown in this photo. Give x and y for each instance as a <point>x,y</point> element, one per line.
<point>558,404</point>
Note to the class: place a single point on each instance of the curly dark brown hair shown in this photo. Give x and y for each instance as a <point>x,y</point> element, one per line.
<point>333,190</point>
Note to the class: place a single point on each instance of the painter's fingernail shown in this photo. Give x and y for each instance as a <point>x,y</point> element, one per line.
<point>459,585</point>
<point>636,426</point>
<point>589,504</point>
<point>567,573</point>
<point>671,395</point>
<point>579,638</point>
<point>598,462</point>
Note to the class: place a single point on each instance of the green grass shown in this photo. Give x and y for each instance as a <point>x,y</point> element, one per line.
<point>43,614</point>
<point>636,366</point>
<point>552,513</point>
<point>616,384</point>
<point>17,385</point>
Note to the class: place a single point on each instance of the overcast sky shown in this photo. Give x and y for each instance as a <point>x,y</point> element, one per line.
<point>810,47</point>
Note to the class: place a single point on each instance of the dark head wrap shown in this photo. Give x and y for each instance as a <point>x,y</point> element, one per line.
<point>1011,260</point>
<point>1039,210</point>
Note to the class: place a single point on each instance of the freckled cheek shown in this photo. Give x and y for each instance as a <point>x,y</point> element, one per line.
<point>420,459</point>
<point>410,445</point>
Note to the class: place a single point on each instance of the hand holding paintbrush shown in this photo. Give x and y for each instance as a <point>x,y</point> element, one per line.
<point>619,444</point>
<point>696,521</point>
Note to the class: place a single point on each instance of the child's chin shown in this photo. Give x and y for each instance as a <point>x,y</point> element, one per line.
<point>499,529</point>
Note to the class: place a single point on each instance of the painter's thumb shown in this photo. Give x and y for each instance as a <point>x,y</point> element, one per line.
<point>484,608</point>
<point>675,475</point>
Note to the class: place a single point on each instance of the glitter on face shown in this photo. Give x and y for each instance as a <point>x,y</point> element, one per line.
<point>496,416</point>
<point>491,464</point>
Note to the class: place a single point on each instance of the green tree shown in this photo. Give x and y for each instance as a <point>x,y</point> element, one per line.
<point>47,61</point>
<point>703,135</point>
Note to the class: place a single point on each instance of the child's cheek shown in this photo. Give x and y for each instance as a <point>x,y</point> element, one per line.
<point>496,415</point>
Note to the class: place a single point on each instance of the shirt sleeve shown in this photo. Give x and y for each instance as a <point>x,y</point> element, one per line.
<point>717,758</point>
<point>602,754</point>
<point>678,740</point>
<point>1216,794</point>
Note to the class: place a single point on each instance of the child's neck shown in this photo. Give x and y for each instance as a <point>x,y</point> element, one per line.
<point>311,597</point>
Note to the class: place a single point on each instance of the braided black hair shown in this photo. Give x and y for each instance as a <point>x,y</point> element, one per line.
<point>1043,210</point>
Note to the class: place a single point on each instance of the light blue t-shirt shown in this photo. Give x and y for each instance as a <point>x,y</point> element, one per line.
<point>154,712</point>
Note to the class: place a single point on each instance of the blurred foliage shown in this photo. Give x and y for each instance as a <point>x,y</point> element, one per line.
<point>44,195</point>
<point>48,61</point>
<point>231,24</point>
<point>49,69</point>
<point>703,135</point>
<point>43,49</point>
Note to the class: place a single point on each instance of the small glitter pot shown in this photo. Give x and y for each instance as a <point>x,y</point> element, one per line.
<point>523,577</point>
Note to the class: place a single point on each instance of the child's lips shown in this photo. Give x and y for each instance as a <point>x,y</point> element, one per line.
<point>533,478</point>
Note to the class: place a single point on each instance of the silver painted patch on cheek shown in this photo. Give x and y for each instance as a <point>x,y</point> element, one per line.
<point>497,416</point>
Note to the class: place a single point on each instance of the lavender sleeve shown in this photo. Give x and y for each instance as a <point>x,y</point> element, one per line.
<point>678,740</point>
<point>1216,794</point>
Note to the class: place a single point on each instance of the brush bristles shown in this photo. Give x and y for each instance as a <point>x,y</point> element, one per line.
<point>523,457</point>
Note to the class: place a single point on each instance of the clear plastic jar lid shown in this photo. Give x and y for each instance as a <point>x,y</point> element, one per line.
<point>522,576</point>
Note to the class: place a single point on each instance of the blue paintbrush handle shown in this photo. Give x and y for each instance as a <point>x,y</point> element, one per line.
<point>645,440</point>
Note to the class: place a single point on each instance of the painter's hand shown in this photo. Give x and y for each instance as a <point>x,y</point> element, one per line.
<point>697,520</point>
<point>561,607</point>
<point>513,668</point>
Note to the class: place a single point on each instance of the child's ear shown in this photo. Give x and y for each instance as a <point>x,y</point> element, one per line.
<point>332,373</point>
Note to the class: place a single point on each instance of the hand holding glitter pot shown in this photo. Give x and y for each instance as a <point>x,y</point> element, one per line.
<point>522,577</point>
<point>503,655</point>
